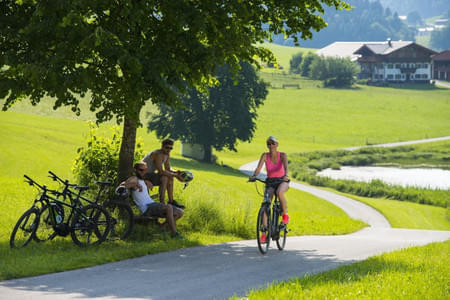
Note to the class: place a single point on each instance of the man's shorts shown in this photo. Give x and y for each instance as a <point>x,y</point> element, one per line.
<point>156,209</point>
<point>154,178</point>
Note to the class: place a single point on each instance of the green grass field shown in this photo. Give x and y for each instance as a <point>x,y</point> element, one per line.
<point>320,119</point>
<point>221,205</point>
<point>413,273</point>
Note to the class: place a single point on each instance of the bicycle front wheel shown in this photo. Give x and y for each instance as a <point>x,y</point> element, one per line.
<point>25,228</point>
<point>263,229</point>
<point>122,219</point>
<point>90,226</point>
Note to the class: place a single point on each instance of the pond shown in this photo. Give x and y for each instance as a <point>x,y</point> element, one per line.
<point>418,177</point>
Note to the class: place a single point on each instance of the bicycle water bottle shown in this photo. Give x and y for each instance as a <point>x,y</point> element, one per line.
<point>56,213</point>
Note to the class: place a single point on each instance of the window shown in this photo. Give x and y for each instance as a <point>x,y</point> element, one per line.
<point>390,76</point>
<point>425,66</point>
<point>398,66</point>
<point>425,76</point>
<point>417,76</point>
<point>390,66</point>
<point>418,66</point>
<point>398,76</point>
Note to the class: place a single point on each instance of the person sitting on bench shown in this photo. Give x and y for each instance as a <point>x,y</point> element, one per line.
<point>139,191</point>
<point>160,173</point>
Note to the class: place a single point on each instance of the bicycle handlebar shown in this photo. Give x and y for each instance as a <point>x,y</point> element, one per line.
<point>42,187</point>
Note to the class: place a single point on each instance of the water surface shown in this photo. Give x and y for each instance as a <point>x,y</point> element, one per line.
<point>425,178</point>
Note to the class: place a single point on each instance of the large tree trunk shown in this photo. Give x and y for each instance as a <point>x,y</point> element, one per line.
<point>207,157</point>
<point>126,155</point>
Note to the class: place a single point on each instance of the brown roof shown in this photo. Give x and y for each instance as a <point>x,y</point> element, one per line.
<point>444,55</point>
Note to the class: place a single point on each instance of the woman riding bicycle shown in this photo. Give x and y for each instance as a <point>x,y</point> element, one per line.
<point>277,173</point>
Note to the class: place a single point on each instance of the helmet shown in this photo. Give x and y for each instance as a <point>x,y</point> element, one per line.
<point>122,191</point>
<point>187,176</point>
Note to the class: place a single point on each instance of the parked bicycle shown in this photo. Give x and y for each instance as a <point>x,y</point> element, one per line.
<point>122,217</point>
<point>269,222</point>
<point>87,225</point>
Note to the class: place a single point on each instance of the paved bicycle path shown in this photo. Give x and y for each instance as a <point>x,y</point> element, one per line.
<point>223,270</point>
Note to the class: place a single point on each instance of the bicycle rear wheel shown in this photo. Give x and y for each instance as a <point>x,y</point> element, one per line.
<point>24,229</point>
<point>90,225</point>
<point>45,230</point>
<point>282,233</point>
<point>263,230</point>
<point>122,219</point>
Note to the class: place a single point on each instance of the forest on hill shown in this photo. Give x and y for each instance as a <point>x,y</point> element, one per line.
<point>426,9</point>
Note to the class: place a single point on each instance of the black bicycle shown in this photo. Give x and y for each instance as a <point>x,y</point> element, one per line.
<point>269,224</point>
<point>87,225</point>
<point>122,217</point>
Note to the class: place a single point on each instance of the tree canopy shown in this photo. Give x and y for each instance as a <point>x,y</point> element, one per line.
<point>126,52</point>
<point>217,119</point>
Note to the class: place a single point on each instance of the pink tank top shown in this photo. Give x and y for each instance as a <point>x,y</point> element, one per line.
<point>274,170</point>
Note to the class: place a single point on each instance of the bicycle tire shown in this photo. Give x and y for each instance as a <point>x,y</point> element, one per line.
<point>122,219</point>
<point>282,233</point>
<point>26,225</point>
<point>90,225</point>
<point>45,230</point>
<point>260,229</point>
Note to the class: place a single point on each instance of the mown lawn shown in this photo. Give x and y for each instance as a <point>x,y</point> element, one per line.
<point>413,273</point>
<point>321,119</point>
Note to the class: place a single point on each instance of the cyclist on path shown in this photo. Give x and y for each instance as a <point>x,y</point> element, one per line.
<point>276,164</point>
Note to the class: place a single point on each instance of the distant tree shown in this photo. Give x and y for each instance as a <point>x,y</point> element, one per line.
<point>295,62</point>
<point>336,72</point>
<point>126,53</point>
<point>319,68</point>
<point>218,119</point>
<point>440,39</point>
<point>414,18</point>
<point>306,63</point>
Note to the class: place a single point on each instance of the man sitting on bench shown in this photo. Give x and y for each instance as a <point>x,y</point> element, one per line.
<point>139,191</point>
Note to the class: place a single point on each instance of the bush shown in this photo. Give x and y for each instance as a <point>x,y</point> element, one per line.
<point>99,159</point>
<point>295,63</point>
<point>335,72</point>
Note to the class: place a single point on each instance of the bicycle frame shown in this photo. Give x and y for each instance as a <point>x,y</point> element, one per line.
<point>76,197</point>
<point>267,221</point>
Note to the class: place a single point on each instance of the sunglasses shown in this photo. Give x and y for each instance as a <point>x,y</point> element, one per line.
<point>270,143</point>
<point>142,170</point>
<point>168,147</point>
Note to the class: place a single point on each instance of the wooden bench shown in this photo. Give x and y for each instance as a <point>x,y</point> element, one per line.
<point>140,218</point>
<point>291,85</point>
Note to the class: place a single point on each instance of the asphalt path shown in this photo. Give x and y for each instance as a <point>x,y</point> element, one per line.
<point>223,270</point>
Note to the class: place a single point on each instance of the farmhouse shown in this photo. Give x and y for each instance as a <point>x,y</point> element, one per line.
<point>395,61</point>
<point>441,65</point>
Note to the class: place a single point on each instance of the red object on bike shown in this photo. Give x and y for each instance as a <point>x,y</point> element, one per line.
<point>263,238</point>
<point>285,219</point>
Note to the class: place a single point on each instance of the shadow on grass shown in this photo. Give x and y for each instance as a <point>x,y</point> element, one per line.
<point>192,164</point>
<point>413,86</point>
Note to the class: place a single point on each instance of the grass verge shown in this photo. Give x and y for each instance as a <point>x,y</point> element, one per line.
<point>413,273</point>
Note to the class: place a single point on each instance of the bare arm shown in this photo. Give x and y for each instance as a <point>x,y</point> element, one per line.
<point>261,162</point>
<point>132,183</point>
<point>284,160</point>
